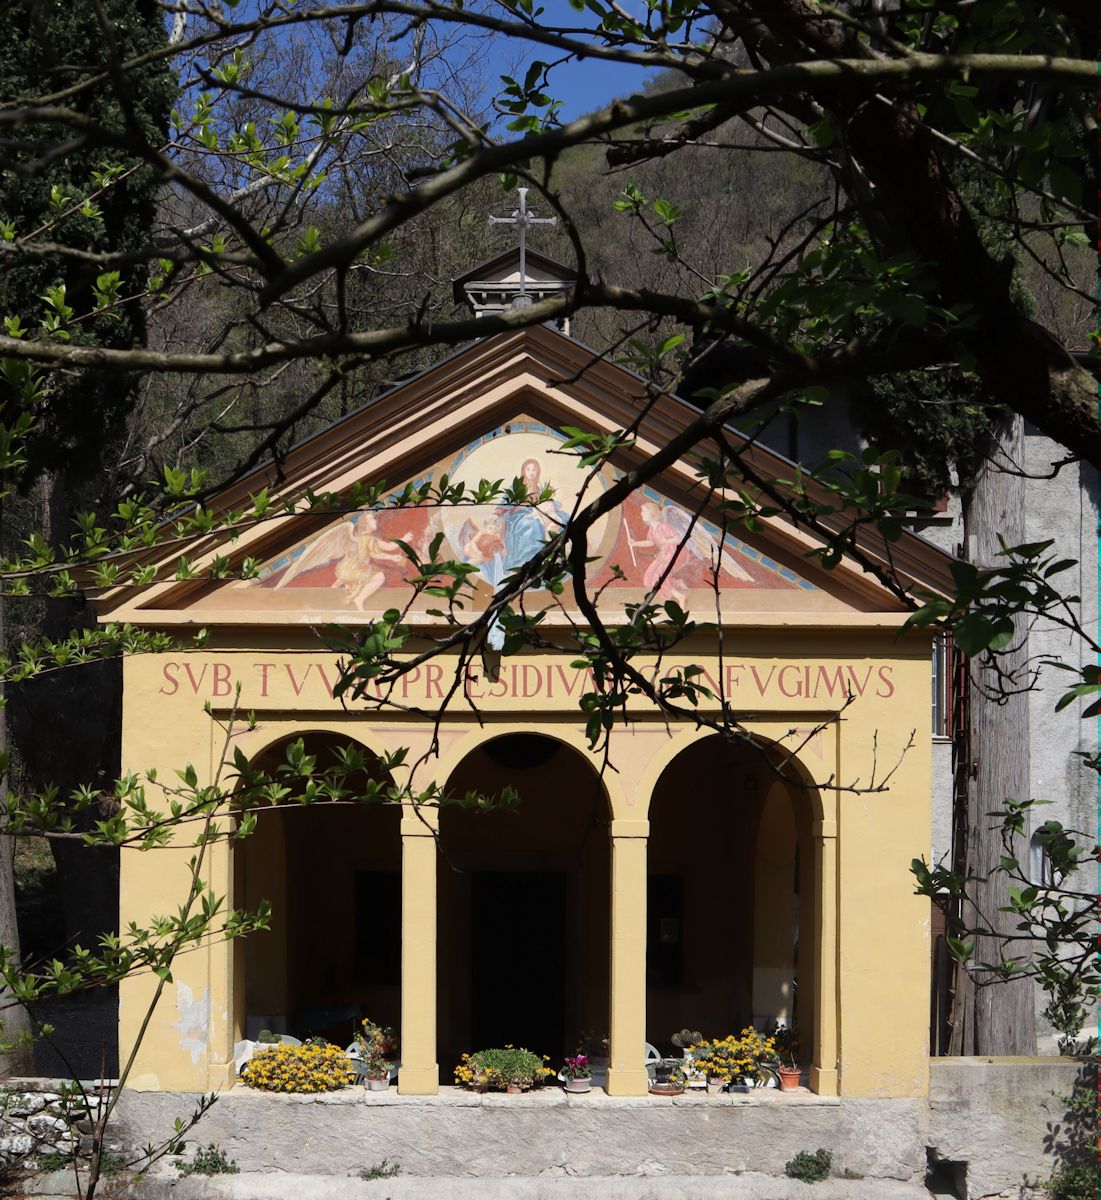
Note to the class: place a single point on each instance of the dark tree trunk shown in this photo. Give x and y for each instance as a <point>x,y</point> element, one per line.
<point>995,1017</point>
<point>15,1021</point>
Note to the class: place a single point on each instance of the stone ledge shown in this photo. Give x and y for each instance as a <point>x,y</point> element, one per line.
<point>547,1097</point>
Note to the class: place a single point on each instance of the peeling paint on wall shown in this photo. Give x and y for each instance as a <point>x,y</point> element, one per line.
<point>194,1021</point>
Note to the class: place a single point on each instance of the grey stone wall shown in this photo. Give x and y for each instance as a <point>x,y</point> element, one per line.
<point>1004,1121</point>
<point>543,1133</point>
<point>1064,508</point>
<point>43,1116</point>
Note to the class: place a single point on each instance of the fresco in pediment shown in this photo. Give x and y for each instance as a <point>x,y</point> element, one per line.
<point>649,546</point>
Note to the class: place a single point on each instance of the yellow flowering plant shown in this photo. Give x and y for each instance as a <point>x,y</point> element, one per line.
<point>499,1069</point>
<point>731,1057</point>
<point>315,1067</point>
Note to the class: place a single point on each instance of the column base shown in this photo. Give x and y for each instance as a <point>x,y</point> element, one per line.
<point>628,1081</point>
<point>824,1081</point>
<point>220,1076</point>
<point>419,1081</point>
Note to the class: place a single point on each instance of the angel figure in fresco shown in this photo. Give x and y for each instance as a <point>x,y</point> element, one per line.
<point>667,527</point>
<point>359,553</point>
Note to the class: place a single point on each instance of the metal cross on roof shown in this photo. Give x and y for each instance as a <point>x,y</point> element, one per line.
<point>522,218</point>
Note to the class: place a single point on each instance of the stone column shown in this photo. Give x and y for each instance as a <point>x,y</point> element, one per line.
<point>823,1071</point>
<point>419,1074</point>
<point>627,1027</point>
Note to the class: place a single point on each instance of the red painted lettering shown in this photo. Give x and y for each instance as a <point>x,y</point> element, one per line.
<point>571,682</point>
<point>298,686</point>
<point>732,677</point>
<point>531,675</point>
<point>709,681</point>
<point>168,672</point>
<point>857,684</point>
<point>469,679</point>
<point>832,682</point>
<point>782,684</point>
<point>324,678</point>
<point>884,679</point>
<point>762,687</point>
<point>408,678</point>
<point>220,680</point>
<point>433,677</point>
<point>195,683</point>
<point>264,668</point>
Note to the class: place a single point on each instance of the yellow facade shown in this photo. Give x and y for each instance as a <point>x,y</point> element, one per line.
<point>871,932</point>
<point>811,664</point>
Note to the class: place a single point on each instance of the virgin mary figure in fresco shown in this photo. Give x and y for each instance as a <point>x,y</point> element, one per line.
<point>524,528</point>
<point>527,526</point>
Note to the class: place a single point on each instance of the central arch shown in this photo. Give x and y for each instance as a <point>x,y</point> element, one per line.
<point>524,902</point>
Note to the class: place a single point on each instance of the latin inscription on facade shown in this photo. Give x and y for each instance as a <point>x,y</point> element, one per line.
<point>304,679</point>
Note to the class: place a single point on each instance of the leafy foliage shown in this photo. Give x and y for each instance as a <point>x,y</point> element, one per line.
<point>208,1160</point>
<point>810,1166</point>
<point>95,199</point>
<point>499,1069</point>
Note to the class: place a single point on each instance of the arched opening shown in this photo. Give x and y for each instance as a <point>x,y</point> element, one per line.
<point>730,903</point>
<point>332,874</point>
<point>523,953</point>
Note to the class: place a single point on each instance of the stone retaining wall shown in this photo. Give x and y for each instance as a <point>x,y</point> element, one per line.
<point>39,1116</point>
<point>459,1133</point>
<point>1003,1120</point>
<point>997,1125</point>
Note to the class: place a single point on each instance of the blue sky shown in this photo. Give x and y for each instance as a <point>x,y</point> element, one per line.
<point>581,86</point>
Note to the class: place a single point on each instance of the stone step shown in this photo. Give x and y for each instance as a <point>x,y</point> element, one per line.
<point>748,1186</point>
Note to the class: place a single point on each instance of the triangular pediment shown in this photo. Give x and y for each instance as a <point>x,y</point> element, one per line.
<point>499,411</point>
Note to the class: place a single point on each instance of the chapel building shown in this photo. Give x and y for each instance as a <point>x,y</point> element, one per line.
<point>679,880</point>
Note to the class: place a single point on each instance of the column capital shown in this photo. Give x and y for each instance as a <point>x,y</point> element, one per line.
<point>627,827</point>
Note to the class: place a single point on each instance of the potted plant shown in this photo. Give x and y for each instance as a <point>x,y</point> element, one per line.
<point>577,1075</point>
<point>372,1050</point>
<point>787,1043</point>
<point>715,1062</point>
<point>734,1060</point>
<point>790,1076</point>
<point>377,1071</point>
<point>685,1041</point>
<point>508,1069</point>
<point>668,1079</point>
<point>375,1041</point>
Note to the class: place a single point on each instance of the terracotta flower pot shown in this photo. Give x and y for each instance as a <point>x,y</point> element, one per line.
<point>715,1086</point>
<point>789,1078</point>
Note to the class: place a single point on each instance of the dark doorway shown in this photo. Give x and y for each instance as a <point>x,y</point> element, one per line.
<point>518,968</point>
